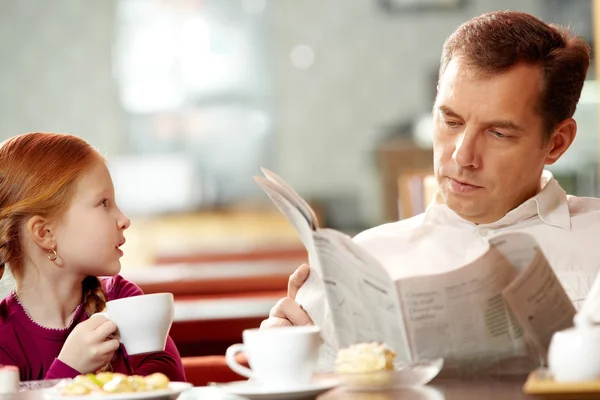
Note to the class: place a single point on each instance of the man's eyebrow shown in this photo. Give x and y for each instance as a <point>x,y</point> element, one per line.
<point>505,124</point>
<point>448,112</point>
<point>500,123</point>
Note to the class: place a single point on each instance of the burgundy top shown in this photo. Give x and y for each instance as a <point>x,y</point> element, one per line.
<point>33,348</point>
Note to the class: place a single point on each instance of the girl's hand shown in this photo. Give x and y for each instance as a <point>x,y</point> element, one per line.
<point>88,346</point>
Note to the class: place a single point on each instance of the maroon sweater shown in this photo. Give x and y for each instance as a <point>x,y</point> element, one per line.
<point>33,348</point>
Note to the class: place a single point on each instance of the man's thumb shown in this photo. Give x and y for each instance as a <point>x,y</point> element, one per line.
<point>297,279</point>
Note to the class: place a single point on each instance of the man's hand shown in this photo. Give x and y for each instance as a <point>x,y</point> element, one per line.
<point>89,345</point>
<point>287,312</point>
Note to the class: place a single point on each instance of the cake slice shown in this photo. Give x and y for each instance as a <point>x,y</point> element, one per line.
<point>365,357</point>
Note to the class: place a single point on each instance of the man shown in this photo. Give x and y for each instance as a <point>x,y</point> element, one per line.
<point>507,91</point>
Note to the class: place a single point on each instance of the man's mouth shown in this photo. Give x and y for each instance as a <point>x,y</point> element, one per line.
<point>461,186</point>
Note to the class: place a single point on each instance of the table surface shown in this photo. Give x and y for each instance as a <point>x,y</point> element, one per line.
<point>440,389</point>
<point>484,388</point>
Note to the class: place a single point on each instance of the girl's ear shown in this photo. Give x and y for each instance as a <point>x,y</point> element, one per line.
<point>41,232</point>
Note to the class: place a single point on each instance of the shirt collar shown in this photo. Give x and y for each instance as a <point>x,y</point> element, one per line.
<point>550,204</point>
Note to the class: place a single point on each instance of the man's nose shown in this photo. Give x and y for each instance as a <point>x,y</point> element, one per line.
<point>466,149</point>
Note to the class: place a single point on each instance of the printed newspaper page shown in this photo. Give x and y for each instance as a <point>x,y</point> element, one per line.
<point>536,297</point>
<point>461,316</point>
<point>348,293</point>
<point>311,295</point>
<point>504,305</point>
<point>498,307</point>
<point>589,313</point>
<point>361,295</point>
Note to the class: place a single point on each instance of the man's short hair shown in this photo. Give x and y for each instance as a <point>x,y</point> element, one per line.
<point>495,42</point>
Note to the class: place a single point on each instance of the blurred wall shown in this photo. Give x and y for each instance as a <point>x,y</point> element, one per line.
<point>56,70</point>
<point>371,69</point>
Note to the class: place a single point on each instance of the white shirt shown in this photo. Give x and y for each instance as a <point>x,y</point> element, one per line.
<point>567,229</point>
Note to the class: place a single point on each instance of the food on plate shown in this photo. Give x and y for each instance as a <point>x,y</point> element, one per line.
<point>157,381</point>
<point>366,364</point>
<point>365,357</point>
<point>110,383</point>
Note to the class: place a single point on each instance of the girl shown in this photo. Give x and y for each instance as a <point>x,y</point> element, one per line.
<point>59,230</point>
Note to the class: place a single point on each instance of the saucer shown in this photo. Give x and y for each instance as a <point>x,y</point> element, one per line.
<point>256,391</point>
<point>404,375</point>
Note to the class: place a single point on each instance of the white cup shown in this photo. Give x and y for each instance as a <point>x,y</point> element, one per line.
<point>278,357</point>
<point>143,321</point>
<point>574,354</point>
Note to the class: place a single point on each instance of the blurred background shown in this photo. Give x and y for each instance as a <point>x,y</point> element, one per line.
<point>187,99</point>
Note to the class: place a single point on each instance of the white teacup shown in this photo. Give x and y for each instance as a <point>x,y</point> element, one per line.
<point>574,354</point>
<point>143,321</point>
<point>278,357</point>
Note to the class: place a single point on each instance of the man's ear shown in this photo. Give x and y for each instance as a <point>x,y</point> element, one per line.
<point>42,232</point>
<point>561,139</point>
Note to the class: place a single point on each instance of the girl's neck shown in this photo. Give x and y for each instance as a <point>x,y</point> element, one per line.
<point>50,300</point>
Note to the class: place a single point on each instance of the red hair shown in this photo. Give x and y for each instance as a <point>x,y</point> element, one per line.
<point>495,42</point>
<point>38,175</point>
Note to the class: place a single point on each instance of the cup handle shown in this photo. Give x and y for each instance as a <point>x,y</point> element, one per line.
<point>114,335</point>
<point>230,354</point>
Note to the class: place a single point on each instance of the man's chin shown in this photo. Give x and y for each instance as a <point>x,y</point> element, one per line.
<point>466,209</point>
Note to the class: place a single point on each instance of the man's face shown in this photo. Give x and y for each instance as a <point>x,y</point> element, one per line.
<point>489,148</point>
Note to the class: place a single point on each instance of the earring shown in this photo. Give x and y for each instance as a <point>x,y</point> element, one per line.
<point>52,256</point>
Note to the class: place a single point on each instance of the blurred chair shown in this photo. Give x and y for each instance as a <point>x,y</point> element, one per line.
<point>416,190</point>
<point>201,371</point>
<point>397,158</point>
<point>216,302</point>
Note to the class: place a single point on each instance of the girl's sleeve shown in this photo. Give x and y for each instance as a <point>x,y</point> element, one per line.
<point>168,361</point>
<point>60,370</point>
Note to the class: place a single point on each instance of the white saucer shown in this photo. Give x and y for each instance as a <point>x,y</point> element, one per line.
<point>256,391</point>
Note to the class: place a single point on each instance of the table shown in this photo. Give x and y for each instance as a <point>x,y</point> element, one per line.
<point>439,389</point>
<point>446,389</point>
<point>485,388</point>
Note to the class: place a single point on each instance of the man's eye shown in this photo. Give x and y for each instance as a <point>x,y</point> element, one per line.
<point>499,135</point>
<point>451,124</point>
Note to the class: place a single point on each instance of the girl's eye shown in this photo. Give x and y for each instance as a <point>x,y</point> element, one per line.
<point>104,203</point>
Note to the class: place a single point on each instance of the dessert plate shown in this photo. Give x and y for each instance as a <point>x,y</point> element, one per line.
<point>413,374</point>
<point>256,391</point>
<point>174,390</point>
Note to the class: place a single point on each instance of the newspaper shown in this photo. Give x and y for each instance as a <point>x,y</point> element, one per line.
<point>589,312</point>
<point>506,304</point>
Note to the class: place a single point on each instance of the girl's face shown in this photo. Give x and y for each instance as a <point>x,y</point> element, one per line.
<point>90,233</point>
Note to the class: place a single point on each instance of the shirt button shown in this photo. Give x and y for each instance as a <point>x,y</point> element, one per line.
<point>483,231</point>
